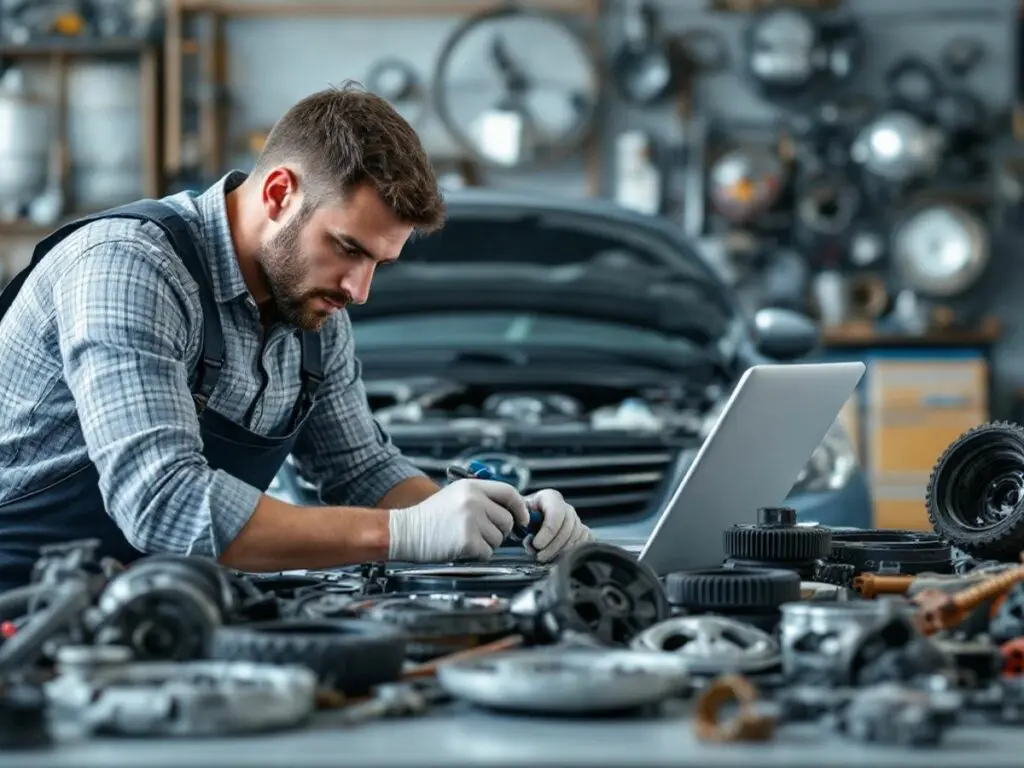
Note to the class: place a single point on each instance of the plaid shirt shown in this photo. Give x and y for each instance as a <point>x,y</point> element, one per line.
<point>95,356</point>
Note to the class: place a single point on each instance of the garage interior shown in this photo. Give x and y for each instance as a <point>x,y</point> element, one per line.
<point>847,175</point>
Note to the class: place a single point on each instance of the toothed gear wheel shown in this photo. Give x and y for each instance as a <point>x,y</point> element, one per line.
<point>350,655</point>
<point>776,544</point>
<point>836,574</point>
<point>975,495</point>
<point>891,551</point>
<point>733,589</point>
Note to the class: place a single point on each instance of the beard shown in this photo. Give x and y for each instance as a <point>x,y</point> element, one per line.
<point>281,265</point>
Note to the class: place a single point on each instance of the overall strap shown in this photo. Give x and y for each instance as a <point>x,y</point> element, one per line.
<point>211,359</point>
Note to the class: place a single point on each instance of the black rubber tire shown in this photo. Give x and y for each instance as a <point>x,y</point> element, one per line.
<point>732,589</point>
<point>969,469</point>
<point>349,655</point>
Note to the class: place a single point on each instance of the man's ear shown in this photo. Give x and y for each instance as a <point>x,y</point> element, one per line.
<point>280,192</point>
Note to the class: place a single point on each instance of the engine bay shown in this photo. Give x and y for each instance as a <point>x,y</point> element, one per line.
<point>412,406</point>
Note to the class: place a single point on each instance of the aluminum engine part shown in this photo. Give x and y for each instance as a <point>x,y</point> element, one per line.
<point>819,640</point>
<point>566,680</point>
<point>598,590</point>
<point>816,591</point>
<point>891,714</point>
<point>898,146</point>
<point>164,608</point>
<point>439,624</point>
<point>712,645</point>
<point>186,699</point>
<point>470,580</point>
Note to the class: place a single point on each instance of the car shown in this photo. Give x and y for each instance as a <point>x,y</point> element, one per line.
<point>576,345</point>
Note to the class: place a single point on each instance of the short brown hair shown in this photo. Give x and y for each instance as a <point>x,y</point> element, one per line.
<point>345,136</point>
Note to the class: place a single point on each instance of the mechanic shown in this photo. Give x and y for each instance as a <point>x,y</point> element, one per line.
<point>163,359</point>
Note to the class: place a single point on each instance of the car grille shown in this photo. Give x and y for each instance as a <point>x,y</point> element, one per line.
<point>600,475</point>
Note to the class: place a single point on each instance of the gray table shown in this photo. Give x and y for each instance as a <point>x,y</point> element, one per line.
<point>461,736</point>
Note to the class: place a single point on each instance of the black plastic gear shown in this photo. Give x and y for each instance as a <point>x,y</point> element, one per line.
<point>776,538</point>
<point>23,720</point>
<point>891,551</point>
<point>602,591</point>
<point>733,590</point>
<point>348,655</point>
<point>837,574</point>
<point>975,495</point>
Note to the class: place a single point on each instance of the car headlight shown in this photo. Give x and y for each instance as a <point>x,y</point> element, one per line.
<point>831,465</point>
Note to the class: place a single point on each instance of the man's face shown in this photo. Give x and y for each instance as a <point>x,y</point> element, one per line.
<point>321,260</point>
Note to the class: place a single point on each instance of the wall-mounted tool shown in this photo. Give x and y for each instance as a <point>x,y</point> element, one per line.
<point>912,83</point>
<point>793,56</point>
<point>745,182</point>
<point>940,250</point>
<point>961,55</point>
<point>638,180</point>
<point>509,108</point>
<point>898,147</point>
<point>398,82</point>
<point>642,67</point>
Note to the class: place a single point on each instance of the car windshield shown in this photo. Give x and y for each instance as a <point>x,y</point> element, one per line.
<point>513,330</point>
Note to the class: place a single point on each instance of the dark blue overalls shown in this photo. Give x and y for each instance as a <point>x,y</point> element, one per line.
<point>72,507</point>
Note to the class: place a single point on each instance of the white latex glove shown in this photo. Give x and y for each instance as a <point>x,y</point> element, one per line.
<point>467,519</point>
<point>562,529</point>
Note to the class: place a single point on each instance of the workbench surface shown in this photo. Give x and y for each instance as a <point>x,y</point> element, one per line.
<point>459,735</point>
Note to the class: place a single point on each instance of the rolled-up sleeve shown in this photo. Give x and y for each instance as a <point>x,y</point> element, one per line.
<point>124,336</point>
<point>342,449</point>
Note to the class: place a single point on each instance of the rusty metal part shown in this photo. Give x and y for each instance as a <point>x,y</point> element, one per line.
<point>747,725</point>
<point>430,669</point>
<point>1013,657</point>
<point>871,585</point>
<point>939,610</point>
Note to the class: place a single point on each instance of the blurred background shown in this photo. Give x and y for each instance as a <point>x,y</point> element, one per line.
<point>664,192</point>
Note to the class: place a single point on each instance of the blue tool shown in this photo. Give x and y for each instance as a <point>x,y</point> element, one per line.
<point>480,471</point>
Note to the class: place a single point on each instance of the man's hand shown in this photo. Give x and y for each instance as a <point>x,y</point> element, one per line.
<point>467,519</point>
<point>562,529</point>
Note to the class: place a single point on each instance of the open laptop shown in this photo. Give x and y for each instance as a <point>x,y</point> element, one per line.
<point>775,418</point>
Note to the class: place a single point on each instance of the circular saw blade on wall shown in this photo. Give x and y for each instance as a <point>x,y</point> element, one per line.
<point>516,87</point>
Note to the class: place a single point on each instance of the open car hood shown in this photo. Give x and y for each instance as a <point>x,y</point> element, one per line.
<point>592,259</point>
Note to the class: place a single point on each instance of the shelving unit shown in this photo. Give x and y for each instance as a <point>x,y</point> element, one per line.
<point>59,54</point>
<point>205,52</point>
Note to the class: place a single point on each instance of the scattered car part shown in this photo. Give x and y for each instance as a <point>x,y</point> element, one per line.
<point>164,607</point>
<point>23,716</point>
<point>819,640</point>
<point>975,494</point>
<point>642,68</point>
<point>392,700</point>
<point>1013,657</point>
<point>749,594</point>
<point>511,131</point>
<point>978,663</point>
<point>745,182</point>
<point>64,609</point>
<point>913,83</point>
<point>898,147</point>
<point>1008,617</point>
<point>712,645</point>
<point>438,624</point>
<point>349,655</point>
<point>598,590</point>
<point>566,680</point>
<point>827,204</point>
<point>820,591</point>
<point>792,55</point>
<point>890,551</point>
<point>747,725</point>
<point>188,699</point>
<point>869,296</point>
<point>940,610</point>
<point>776,541</point>
<point>470,580</point>
<point>322,605</point>
<point>429,669</point>
<point>893,714</point>
<point>834,574</point>
<point>940,250</point>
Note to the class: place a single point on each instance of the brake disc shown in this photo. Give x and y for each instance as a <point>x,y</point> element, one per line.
<point>566,680</point>
<point>438,624</point>
<point>196,698</point>
<point>712,645</point>
<point>473,580</point>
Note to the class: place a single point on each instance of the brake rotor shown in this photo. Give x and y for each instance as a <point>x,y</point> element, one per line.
<point>566,680</point>
<point>712,645</point>
<point>470,580</point>
<point>438,624</point>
